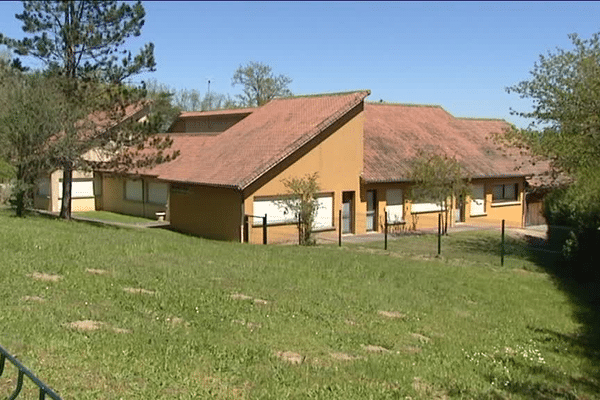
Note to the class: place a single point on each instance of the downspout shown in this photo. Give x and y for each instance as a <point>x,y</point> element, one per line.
<point>523,205</point>
<point>242,210</point>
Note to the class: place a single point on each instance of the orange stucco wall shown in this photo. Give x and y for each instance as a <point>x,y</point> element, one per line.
<point>381,202</point>
<point>210,212</point>
<point>112,198</point>
<point>338,160</point>
<point>495,212</point>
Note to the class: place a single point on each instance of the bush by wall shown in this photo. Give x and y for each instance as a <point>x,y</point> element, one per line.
<point>573,214</point>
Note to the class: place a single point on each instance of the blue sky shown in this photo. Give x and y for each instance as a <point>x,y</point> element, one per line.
<point>460,55</point>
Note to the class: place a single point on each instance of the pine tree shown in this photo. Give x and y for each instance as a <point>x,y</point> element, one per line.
<point>82,43</point>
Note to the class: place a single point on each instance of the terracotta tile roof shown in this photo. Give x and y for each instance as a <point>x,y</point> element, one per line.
<point>233,111</point>
<point>394,134</point>
<point>103,120</point>
<point>247,150</point>
<point>99,122</point>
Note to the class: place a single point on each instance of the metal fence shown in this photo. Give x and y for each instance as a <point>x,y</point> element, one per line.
<point>382,231</point>
<point>22,372</point>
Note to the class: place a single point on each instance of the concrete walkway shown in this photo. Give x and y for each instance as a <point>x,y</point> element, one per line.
<point>149,224</point>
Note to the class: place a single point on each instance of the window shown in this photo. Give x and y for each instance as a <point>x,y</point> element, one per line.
<point>44,187</point>
<point>278,213</point>
<point>324,215</point>
<point>477,200</point>
<point>508,192</point>
<point>394,205</point>
<point>81,188</point>
<point>133,190</point>
<point>158,193</point>
<point>425,207</point>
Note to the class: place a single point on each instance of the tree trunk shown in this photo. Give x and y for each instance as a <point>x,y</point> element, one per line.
<point>65,208</point>
<point>20,203</point>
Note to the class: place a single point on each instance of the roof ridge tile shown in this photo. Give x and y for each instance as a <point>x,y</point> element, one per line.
<point>309,95</point>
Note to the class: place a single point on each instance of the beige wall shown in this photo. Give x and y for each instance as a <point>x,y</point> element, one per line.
<point>52,202</point>
<point>210,212</point>
<point>112,198</point>
<point>338,160</point>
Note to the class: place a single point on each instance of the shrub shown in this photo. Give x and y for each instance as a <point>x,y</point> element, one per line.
<point>578,208</point>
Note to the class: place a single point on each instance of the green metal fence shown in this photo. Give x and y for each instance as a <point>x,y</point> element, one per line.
<point>44,390</point>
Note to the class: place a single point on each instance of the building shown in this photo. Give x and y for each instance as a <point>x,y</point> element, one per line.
<point>84,189</point>
<point>233,162</point>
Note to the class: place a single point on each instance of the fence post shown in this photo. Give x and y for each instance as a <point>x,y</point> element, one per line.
<point>340,230</point>
<point>439,234</point>
<point>502,247</point>
<point>246,236</point>
<point>385,230</point>
<point>265,229</point>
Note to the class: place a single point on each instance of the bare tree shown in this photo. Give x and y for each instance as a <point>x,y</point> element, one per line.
<point>438,178</point>
<point>303,203</point>
<point>260,84</point>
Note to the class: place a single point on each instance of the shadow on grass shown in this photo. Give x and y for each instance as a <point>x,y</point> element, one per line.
<point>489,245</point>
<point>582,285</point>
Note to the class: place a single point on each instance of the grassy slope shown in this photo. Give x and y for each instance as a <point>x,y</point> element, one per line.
<point>469,330</point>
<point>112,217</point>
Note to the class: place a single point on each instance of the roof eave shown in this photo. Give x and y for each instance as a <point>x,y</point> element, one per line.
<point>407,180</point>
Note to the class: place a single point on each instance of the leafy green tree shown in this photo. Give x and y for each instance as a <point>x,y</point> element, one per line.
<point>302,202</point>
<point>565,89</point>
<point>32,109</point>
<point>438,179</point>
<point>82,41</point>
<point>260,84</point>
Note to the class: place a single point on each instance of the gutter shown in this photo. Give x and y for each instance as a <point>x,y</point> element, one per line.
<point>406,180</point>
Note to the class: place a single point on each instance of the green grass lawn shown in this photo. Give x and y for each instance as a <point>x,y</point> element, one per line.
<point>169,316</point>
<point>112,217</point>
<point>477,247</point>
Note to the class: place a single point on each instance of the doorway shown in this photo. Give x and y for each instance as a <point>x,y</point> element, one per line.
<point>347,211</point>
<point>371,211</point>
<point>460,209</point>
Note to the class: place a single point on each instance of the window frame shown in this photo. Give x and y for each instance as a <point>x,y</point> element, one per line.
<point>473,200</point>
<point>149,189</point>
<point>394,208</point>
<point>274,207</point>
<point>504,199</point>
<point>126,192</point>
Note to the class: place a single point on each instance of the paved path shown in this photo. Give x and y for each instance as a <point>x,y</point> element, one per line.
<point>149,224</point>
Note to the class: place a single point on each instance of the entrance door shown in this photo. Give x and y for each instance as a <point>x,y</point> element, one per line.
<point>371,211</point>
<point>347,208</point>
<point>460,209</point>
